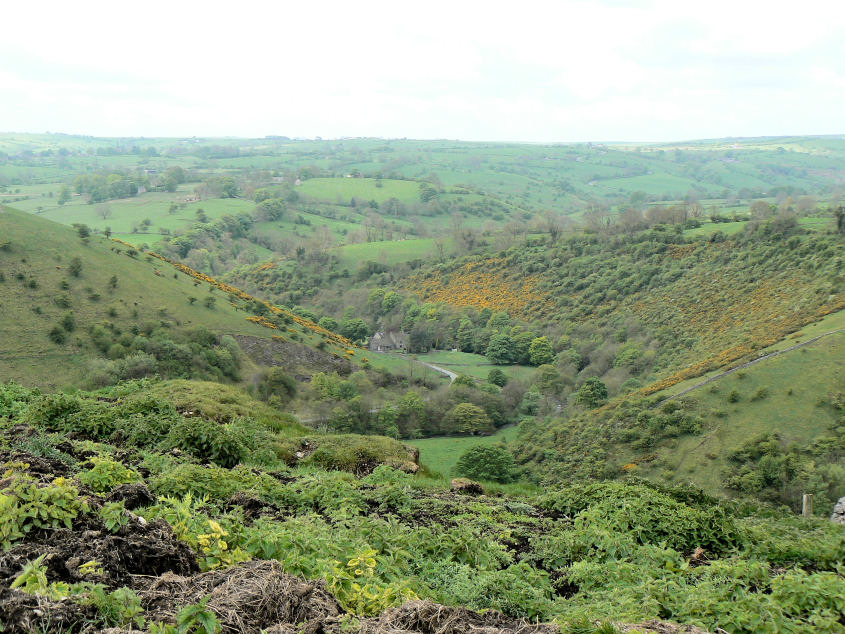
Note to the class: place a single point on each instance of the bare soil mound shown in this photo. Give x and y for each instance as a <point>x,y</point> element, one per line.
<point>22,613</point>
<point>136,549</point>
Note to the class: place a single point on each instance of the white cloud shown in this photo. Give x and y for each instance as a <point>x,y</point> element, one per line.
<point>534,71</point>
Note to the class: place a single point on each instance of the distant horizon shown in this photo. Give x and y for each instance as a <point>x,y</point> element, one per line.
<point>277,137</point>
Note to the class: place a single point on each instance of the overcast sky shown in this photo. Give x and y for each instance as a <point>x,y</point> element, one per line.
<point>515,71</point>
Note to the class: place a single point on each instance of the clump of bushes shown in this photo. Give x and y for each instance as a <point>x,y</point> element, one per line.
<point>487,463</point>
<point>196,353</point>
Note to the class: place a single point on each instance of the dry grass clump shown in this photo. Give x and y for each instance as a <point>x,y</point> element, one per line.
<point>427,617</point>
<point>258,596</point>
<point>246,598</point>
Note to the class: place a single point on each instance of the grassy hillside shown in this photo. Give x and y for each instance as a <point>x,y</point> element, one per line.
<point>56,287</point>
<point>795,395</point>
<point>39,289</point>
<point>774,429</point>
<point>362,189</point>
<point>565,178</point>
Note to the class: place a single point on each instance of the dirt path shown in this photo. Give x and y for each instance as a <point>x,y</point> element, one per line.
<point>452,375</point>
<point>750,363</point>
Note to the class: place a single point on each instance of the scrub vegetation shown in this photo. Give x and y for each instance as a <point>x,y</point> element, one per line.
<point>364,385</point>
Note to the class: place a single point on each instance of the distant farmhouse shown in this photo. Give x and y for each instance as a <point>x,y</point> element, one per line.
<point>389,342</point>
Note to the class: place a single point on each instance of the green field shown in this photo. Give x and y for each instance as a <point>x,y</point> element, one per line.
<point>474,365</point>
<point>387,252</point>
<point>362,189</point>
<point>732,228</point>
<point>125,213</point>
<point>565,178</point>
<point>441,454</point>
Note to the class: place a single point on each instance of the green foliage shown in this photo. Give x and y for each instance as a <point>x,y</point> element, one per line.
<point>197,618</point>
<point>648,515</point>
<point>487,463</point>
<point>501,350</point>
<point>766,467</point>
<point>114,516</point>
<point>58,335</point>
<point>616,551</point>
<point>104,474</point>
<point>82,230</point>
<point>540,351</point>
<point>592,393</point>
<point>353,584</point>
<point>466,418</point>
<point>192,525</point>
<point>68,322</point>
<point>497,377</point>
<point>464,379</point>
<point>276,383</point>
<point>208,440</point>
<point>119,608</point>
<point>75,267</point>
<point>26,505</point>
<point>354,329</point>
<point>32,579</point>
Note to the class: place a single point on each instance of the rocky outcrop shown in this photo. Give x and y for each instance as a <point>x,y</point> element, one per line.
<point>838,516</point>
<point>466,486</point>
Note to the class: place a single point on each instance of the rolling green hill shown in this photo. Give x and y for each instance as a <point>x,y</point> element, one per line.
<point>566,178</point>
<point>56,287</point>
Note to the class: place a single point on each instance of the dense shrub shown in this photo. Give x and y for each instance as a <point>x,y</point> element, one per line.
<point>487,463</point>
<point>651,516</point>
<point>208,441</point>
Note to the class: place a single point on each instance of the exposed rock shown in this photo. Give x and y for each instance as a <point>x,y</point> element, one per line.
<point>838,516</point>
<point>413,453</point>
<point>406,467</point>
<point>466,486</point>
<point>295,358</point>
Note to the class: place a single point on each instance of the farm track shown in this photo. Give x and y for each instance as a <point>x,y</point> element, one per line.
<point>748,364</point>
<point>452,375</point>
